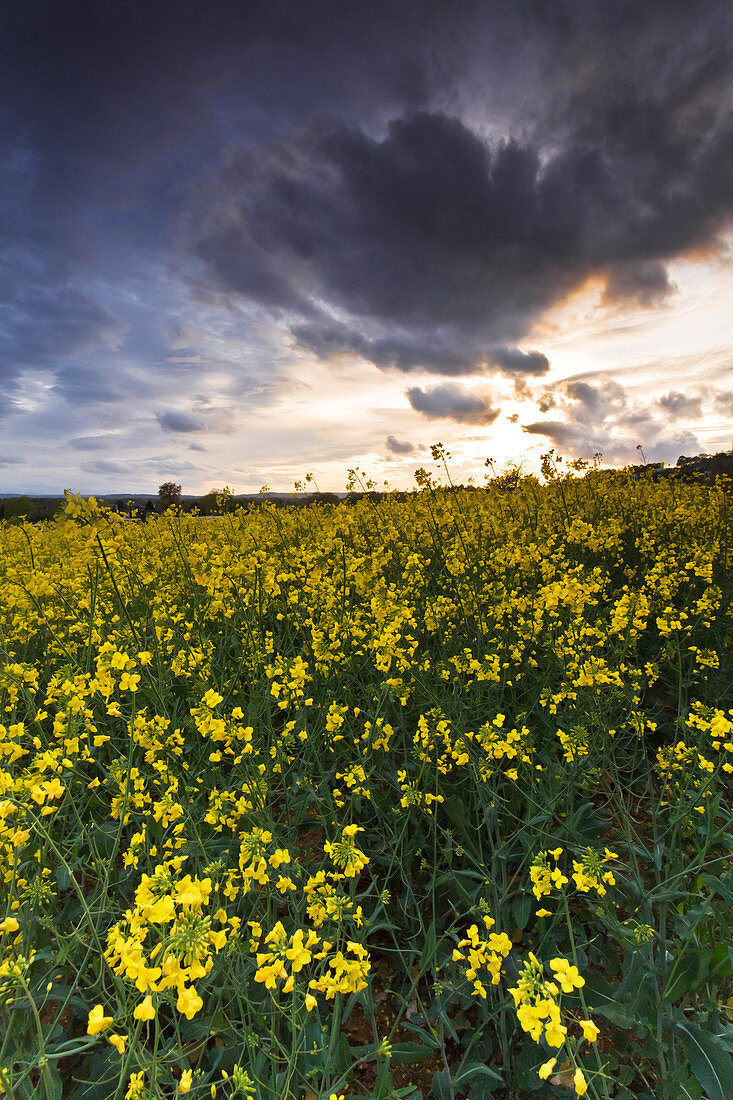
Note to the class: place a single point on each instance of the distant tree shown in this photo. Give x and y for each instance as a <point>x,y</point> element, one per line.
<point>21,508</point>
<point>169,494</point>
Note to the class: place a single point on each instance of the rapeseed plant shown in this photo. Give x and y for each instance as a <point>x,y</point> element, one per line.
<point>267,777</point>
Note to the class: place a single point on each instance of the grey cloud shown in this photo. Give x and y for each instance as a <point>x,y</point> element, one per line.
<point>452,402</point>
<point>434,246</point>
<point>405,215</point>
<point>398,446</point>
<point>645,281</point>
<point>557,430</point>
<point>449,354</point>
<point>600,415</point>
<point>513,362</point>
<point>678,405</point>
<point>45,321</point>
<point>172,467</point>
<point>583,441</point>
<point>92,442</point>
<point>448,351</point>
<point>86,383</point>
<point>641,420</point>
<point>180,422</point>
<point>11,460</point>
<point>724,403</point>
<point>103,466</point>
<point>584,393</point>
<point>217,420</point>
<point>585,402</point>
<point>598,402</point>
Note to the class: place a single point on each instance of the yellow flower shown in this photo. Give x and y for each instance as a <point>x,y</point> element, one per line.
<point>590,1031</point>
<point>189,1002</point>
<point>310,1002</point>
<point>145,1010</point>
<point>136,1088</point>
<point>555,1033</point>
<point>546,1068</point>
<point>10,924</point>
<point>544,912</point>
<point>185,1083</point>
<point>580,1083</point>
<point>568,976</point>
<point>119,1042</point>
<point>98,1021</point>
<point>161,911</point>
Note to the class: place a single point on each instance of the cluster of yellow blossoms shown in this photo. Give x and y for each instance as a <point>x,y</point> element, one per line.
<point>280,957</point>
<point>538,1003</point>
<point>204,719</point>
<point>166,940</point>
<point>483,954</point>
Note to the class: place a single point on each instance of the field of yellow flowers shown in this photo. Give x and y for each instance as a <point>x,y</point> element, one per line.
<point>424,797</point>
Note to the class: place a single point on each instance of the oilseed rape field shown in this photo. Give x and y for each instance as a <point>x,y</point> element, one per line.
<point>421,797</point>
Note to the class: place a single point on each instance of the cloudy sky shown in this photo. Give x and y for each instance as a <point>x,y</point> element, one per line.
<point>244,240</point>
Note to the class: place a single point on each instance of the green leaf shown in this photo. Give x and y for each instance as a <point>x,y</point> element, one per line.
<point>440,1086</point>
<point>428,952</point>
<point>483,1079</point>
<point>689,972</point>
<point>719,887</point>
<point>521,908</point>
<point>475,1069</point>
<point>616,1015</point>
<point>721,965</point>
<point>710,1063</point>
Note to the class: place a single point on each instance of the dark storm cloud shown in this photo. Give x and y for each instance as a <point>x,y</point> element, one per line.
<point>447,354</point>
<point>452,402</point>
<point>413,183</point>
<point>646,282</point>
<point>398,446</point>
<point>678,405</point>
<point>122,83</point>
<point>435,246</point>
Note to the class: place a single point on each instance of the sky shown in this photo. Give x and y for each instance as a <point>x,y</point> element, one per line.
<point>246,240</point>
